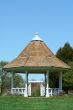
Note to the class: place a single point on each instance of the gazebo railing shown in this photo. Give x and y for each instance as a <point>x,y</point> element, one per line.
<point>54,91</point>
<point>18,90</point>
<point>22,91</point>
<point>49,91</point>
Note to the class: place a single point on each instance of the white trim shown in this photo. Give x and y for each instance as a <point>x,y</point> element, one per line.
<point>36,81</point>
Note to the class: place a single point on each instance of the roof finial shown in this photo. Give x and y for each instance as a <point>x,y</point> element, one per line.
<point>36,36</point>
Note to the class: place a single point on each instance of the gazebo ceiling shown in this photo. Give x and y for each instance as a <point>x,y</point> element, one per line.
<point>36,54</point>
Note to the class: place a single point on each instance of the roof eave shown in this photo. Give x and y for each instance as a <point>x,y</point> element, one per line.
<point>34,69</point>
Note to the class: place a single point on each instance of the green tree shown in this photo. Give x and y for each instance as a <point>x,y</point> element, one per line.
<point>3,76</point>
<point>54,79</point>
<point>5,79</point>
<point>68,78</point>
<point>65,53</point>
<point>18,80</point>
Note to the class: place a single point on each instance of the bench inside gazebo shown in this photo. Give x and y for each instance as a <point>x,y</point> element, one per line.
<point>37,58</point>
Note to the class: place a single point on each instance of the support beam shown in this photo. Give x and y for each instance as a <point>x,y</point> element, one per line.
<point>26,86</point>
<point>12,82</point>
<point>45,83</point>
<point>47,91</point>
<point>60,81</point>
<point>29,89</point>
<point>27,82</point>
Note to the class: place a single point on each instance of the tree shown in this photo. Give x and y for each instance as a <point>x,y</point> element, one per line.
<point>18,80</point>
<point>54,79</point>
<point>5,79</point>
<point>65,53</point>
<point>68,78</point>
<point>3,76</point>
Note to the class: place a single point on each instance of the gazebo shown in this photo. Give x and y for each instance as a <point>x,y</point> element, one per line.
<point>37,58</point>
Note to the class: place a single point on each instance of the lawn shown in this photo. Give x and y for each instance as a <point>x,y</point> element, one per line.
<point>21,103</point>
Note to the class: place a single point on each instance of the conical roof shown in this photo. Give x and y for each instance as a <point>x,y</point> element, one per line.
<point>36,54</point>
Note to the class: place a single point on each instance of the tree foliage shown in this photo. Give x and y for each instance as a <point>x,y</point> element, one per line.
<point>3,76</point>
<point>54,79</point>
<point>68,78</point>
<point>65,53</point>
<point>5,79</point>
<point>18,81</point>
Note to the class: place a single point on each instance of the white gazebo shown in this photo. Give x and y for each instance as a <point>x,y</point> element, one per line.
<point>37,58</point>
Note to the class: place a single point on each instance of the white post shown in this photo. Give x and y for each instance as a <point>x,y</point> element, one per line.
<point>60,81</point>
<point>12,82</point>
<point>45,84</point>
<point>41,89</point>
<point>26,86</point>
<point>47,92</point>
<point>29,89</point>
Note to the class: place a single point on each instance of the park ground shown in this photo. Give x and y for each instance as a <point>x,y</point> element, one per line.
<point>21,103</point>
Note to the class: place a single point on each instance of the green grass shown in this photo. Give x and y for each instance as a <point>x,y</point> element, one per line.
<point>21,103</point>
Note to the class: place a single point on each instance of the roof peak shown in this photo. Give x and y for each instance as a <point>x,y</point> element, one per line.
<point>37,37</point>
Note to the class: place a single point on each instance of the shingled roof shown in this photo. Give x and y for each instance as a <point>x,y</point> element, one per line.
<point>36,54</point>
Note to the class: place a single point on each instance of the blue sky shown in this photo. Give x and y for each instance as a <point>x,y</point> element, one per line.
<point>20,19</point>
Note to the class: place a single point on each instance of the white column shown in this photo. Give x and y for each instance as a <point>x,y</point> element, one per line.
<point>47,92</point>
<point>41,89</point>
<point>12,82</point>
<point>45,83</point>
<point>60,81</point>
<point>29,89</point>
<point>26,86</point>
